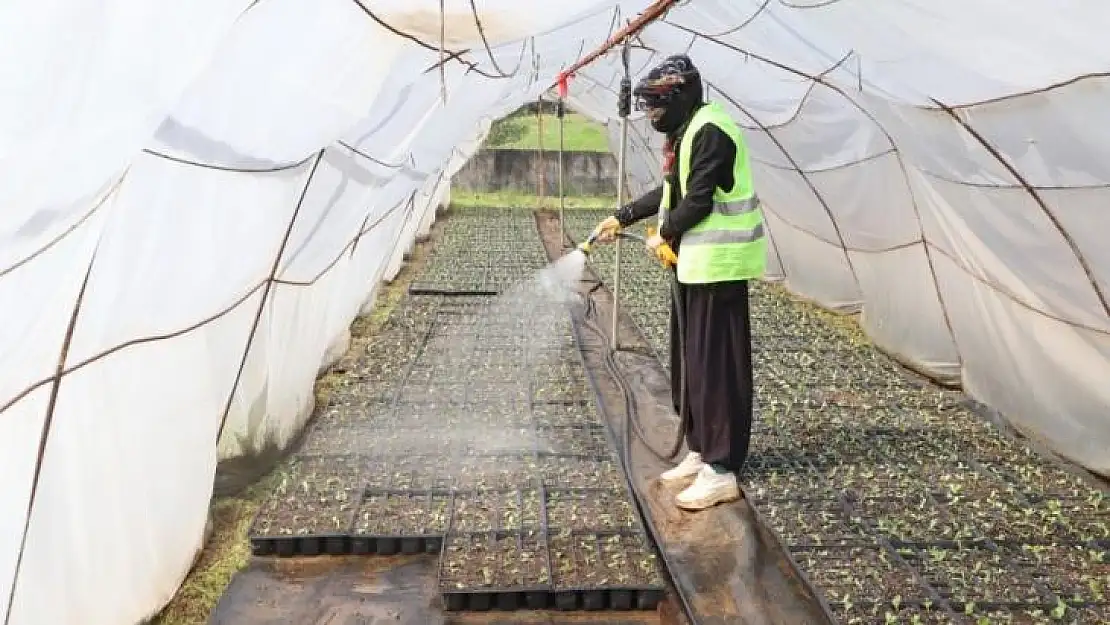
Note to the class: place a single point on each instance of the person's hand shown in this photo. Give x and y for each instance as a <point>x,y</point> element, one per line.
<point>608,229</point>
<point>660,248</point>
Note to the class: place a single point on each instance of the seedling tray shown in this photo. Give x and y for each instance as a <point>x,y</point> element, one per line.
<point>821,523</point>
<point>412,474</point>
<point>983,577</point>
<point>583,567</point>
<point>562,472</point>
<point>391,522</point>
<point>497,511</point>
<point>868,576</point>
<point>309,513</point>
<point>1079,574</point>
<point>438,418</point>
<point>583,441</point>
<point>594,510</point>
<point>497,570</point>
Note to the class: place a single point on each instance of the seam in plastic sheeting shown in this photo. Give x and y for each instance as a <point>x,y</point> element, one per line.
<point>44,437</point>
<point>267,287</point>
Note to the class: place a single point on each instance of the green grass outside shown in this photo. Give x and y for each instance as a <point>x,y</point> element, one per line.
<point>530,200</point>
<point>580,134</point>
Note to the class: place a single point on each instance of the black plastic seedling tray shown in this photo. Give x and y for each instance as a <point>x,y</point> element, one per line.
<point>507,600</point>
<point>622,599</point>
<point>291,546</point>
<point>306,474</point>
<point>619,599</point>
<point>393,545</point>
<point>504,598</point>
<point>424,540</point>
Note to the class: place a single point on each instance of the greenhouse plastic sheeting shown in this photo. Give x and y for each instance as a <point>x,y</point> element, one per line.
<point>199,198</point>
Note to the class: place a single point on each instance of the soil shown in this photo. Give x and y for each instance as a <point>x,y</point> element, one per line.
<point>597,510</point>
<point>875,479</point>
<point>303,518</point>
<point>490,372</point>
<point>446,418</point>
<point>489,511</point>
<point>402,515</point>
<point>1017,616</point>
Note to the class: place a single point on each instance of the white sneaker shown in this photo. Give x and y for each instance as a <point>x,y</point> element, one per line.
<point>686,469</point>
<point>710,489</point>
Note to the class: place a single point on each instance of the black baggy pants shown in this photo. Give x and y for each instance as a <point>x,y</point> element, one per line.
<point>719,385</point>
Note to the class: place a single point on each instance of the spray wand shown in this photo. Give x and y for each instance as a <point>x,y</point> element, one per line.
<point>665,254</point>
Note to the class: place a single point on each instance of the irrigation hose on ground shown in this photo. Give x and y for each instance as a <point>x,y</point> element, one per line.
<point>632,421</point>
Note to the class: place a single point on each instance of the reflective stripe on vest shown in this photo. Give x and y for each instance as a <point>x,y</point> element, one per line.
<point>714,237</point>
<point>729,243</point>
<point>729,209</point>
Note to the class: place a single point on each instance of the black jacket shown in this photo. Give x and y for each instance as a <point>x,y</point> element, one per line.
<point>712,159</point>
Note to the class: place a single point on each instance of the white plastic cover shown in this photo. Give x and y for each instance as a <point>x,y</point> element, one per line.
<point>198,197</point>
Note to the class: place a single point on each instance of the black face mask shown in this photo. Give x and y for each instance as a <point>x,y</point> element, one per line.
<point>679,109</point>
<point>671,120</point>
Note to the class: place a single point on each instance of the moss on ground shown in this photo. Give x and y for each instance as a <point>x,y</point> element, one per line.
<point>226,552</point>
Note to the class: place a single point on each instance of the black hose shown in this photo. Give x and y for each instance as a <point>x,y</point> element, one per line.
<point>683,409</point>
<point>632,421</point>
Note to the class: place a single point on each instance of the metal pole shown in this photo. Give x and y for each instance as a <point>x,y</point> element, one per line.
<point>613,342</point>
<point>562,190</point>
<point>624,107</point>
<point>541,166</point>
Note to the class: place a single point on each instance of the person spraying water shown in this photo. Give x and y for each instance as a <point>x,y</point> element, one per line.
<point>709,214</point>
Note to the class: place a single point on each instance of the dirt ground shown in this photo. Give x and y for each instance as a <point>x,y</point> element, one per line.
<point>369,591</point>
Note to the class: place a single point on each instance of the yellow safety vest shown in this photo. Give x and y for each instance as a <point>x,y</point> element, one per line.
<point>728,244</point>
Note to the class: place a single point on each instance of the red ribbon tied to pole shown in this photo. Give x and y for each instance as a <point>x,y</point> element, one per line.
<point>562,83</point>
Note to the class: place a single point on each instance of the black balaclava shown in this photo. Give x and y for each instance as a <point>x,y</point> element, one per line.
<point>673,86</point>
